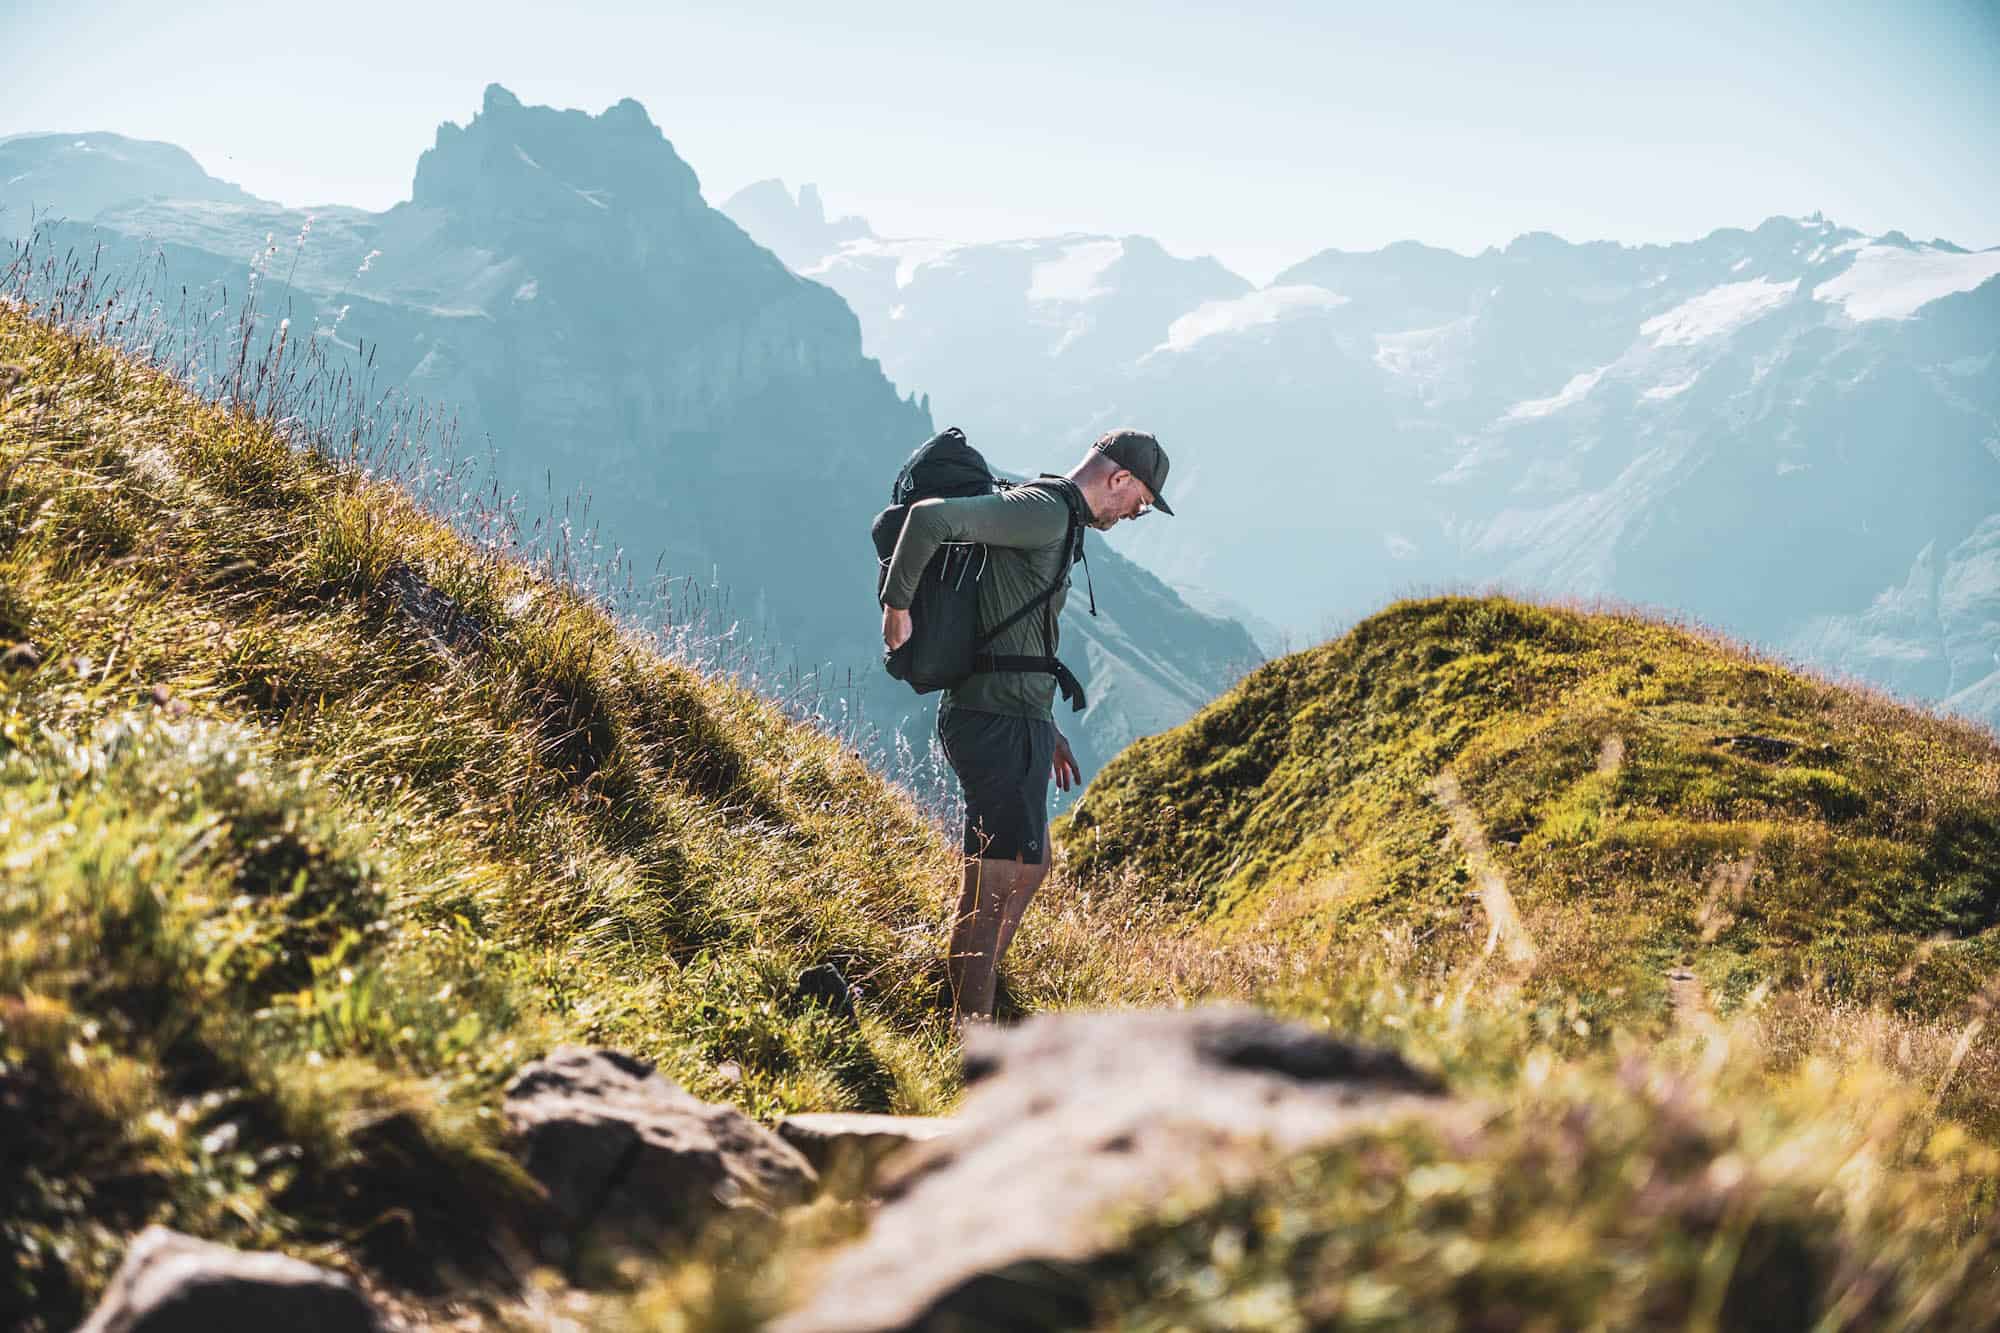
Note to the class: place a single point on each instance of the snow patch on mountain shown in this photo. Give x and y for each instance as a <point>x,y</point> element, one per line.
<point>1661,392</point>
<point>1573,392</point>
<point>909,256</point>
<point>1889,282</point>
<point>1419,353</point>
<point>1264,306</point>
<point>1073,276</point>
<point>1717,311</point>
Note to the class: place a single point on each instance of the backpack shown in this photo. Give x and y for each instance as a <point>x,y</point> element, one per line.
<point>946,644</point>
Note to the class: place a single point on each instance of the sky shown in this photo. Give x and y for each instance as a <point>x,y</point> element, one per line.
<point>1260,135</point>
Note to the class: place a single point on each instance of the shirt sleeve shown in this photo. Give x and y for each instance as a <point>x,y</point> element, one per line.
<point>1020,518</point>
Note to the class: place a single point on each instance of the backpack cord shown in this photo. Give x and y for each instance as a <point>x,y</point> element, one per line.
<point>1083,553</point>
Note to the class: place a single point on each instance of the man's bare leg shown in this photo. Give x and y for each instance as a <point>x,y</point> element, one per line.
<point>1016,907</point>
<point>986,890</point>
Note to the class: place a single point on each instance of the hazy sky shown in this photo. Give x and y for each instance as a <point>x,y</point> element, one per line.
<point>1260,136</point>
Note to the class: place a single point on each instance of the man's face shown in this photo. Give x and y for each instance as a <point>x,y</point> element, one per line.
<point>1125,497</point>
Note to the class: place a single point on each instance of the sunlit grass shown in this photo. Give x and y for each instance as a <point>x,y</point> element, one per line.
<point>316,808</point>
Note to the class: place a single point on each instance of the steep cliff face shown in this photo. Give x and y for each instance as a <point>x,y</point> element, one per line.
<point>557,281</point>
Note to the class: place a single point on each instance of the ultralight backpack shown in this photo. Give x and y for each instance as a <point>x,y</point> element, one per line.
<point>946,644</point>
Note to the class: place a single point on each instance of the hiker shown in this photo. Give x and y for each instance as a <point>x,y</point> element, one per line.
<point>997,725</point>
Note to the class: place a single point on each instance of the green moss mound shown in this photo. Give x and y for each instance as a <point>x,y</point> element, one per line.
<point>1651,796</point>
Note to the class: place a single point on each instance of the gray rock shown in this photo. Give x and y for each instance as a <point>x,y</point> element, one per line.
<point>172,1283</point>
<point>617,1145</point>
<point>849,1149</point>
<point>1073,1124</point>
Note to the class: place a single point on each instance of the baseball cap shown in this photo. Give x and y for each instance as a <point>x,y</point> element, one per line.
<point>1141,455</point>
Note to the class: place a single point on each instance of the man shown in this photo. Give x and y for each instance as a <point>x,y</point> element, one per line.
<point>998,728</point>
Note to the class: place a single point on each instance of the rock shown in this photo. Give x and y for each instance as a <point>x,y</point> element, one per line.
<point>1071,1126</point>
<point>847,1150</point>
<point>434,613</point>
<point>22,656</point>
<point>824,985</point>
<point>172,1283</point>
<point>616,1145</point>
<point>1765,749</point>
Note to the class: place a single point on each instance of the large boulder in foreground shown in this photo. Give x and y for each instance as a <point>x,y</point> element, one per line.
<point>173,1283</point>
<point>1072,1125</point>
<point>619,1147</point>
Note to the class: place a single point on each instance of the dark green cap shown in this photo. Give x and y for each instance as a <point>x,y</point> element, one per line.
<point>1141,455</point>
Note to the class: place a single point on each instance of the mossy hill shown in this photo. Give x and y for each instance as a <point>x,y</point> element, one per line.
<point>1653,798</point>
<point>317,820</point>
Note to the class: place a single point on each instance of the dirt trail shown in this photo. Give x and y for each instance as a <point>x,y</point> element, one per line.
<point>1687,1000</point>
<point>1504,928</point>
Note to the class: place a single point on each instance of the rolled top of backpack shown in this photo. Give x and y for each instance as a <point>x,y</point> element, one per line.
<point>944,467</point>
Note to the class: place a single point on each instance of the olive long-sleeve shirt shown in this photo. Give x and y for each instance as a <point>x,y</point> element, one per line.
<point>1023,530</point>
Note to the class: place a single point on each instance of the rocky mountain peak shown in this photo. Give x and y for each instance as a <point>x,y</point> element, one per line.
<point>796,230</point>
<point>516,160</point>
<point>1536,245</point>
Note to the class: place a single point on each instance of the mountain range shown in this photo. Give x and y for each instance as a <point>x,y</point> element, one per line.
<point>557,281</point>
<point>1790,432</point>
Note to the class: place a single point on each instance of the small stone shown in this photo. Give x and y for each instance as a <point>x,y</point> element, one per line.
<point>22,656</point>
<point>1764,749</point>
<point>173,1283</point>
<point>162,696</point>
<point>824,985</point>
<point>729,1073</point>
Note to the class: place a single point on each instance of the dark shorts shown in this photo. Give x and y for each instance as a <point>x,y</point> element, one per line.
<point>1003,763</point>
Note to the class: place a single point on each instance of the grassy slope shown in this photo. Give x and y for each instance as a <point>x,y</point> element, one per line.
<point>316,821</point>
<point>1599,753</point>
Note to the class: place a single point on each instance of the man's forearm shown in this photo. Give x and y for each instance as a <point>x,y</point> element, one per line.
<point>1025,519</point>
<point>922,532</point>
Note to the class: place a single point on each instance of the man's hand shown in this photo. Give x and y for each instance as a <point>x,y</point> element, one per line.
<point>895,627</point>
<point>1067,773</point>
